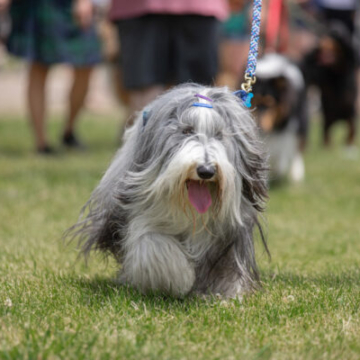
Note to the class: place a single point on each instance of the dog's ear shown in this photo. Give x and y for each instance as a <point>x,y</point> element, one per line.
<point>98,229</point>
<point>249,156</point>
<point>255,187</point>
<point>101,223</point>
<point>251,159</point>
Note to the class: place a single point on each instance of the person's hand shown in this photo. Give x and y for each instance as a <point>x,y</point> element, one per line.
<point>4,4</point>
<point>83,12</point>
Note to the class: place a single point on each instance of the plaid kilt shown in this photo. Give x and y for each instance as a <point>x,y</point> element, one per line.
<point>45,31</point>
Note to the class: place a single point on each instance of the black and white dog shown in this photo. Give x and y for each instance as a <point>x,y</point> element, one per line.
<point>281,111</point>
<point>178,205</point>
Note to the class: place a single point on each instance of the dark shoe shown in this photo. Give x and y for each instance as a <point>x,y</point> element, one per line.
<point>46,150</point>
<point>70,141</point>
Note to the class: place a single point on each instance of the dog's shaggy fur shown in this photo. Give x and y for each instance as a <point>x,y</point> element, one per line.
<point>152,210</point>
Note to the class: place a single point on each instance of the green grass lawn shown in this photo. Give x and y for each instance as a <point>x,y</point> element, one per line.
<point>54,307</point>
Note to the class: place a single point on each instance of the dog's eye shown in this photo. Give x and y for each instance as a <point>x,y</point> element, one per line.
<point>219,135</point>
<point>188,131</point>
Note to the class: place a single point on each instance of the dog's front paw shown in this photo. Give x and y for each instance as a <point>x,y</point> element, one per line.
<point>157,263</point>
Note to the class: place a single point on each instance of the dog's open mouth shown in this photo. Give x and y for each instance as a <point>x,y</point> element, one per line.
<point>199,195</point>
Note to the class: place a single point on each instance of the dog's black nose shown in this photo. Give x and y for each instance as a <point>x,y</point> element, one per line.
<point>205,172</point>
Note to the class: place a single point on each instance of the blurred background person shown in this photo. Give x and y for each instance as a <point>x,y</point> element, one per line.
<point>4,29</point>
<point>304,27</point>
<point>343,11</point>
<point>111,50</point>
<point>332,67</point>
<point>45,33</point>
<point>166,42</point>
<point>234,45</point>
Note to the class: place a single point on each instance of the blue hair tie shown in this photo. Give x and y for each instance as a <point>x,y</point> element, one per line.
<point>209,106</point>
<point>146,114</point>
<point>205,105</point>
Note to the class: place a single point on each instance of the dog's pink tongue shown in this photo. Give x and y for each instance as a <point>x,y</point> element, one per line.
<point>199,196</point>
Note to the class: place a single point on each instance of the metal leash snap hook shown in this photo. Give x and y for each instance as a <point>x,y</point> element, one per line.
<point>247,85</point>
<point>245,93</point>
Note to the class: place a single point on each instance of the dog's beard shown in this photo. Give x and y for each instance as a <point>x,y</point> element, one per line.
<point>195,197</point>
<point>182,190</point>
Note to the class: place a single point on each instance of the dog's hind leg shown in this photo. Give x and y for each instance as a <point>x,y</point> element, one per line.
<point>326,133</point>
<point>154,262</point>
<point>297,169</point>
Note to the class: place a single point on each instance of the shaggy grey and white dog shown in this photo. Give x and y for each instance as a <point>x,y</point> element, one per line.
<point>178,205</point>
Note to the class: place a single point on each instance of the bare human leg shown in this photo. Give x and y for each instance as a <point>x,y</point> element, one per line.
<point>326,133</point>
<point>350,140</point>
<point>77,98</point>
<point>36,103</point>
<point>137,100</point>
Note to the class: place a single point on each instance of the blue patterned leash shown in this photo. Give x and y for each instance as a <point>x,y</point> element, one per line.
<point>245,93</point>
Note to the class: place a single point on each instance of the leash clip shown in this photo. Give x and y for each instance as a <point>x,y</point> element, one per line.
<point>248,83</point>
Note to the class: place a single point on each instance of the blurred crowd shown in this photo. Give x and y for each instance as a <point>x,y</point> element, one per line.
<point>151,45</point>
